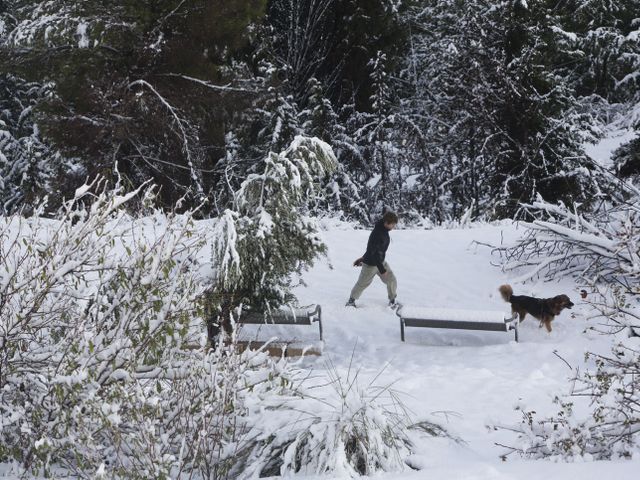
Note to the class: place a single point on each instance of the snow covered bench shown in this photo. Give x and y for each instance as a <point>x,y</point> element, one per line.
<point>494,321</point>
<point>285,316</point>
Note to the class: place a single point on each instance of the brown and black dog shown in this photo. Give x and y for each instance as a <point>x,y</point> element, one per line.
<point>544,309</point>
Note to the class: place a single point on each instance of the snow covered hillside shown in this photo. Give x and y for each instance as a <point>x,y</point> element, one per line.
<point>460,379</point>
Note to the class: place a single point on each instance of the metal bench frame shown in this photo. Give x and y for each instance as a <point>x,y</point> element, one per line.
<point>285,317</point>
<point>510,323</point>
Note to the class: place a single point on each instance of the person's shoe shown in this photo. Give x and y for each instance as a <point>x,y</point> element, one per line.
<point>393,304</point>
<point>350,303</point>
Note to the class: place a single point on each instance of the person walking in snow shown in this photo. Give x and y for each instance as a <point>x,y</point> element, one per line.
<point>373,262</point>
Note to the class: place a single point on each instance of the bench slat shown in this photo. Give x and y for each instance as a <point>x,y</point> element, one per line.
<point>453,314</point>
<point>456,320</point>
<point>256,318</point>
<point>455,324</point>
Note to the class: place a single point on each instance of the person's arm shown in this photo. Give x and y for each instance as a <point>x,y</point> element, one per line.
<point>378,253</point>
<point>380,263</point>
<point>357,262</point>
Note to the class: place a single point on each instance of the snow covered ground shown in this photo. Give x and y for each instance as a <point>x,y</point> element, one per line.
<point>463,380</point>
<point>602,151</point>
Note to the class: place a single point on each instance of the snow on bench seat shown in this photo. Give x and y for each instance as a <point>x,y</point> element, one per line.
<point>285,316</point>
<point>453,314</point>
<point>489,320</point>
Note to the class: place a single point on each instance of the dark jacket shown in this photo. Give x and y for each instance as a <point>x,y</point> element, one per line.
<point>377,247</point>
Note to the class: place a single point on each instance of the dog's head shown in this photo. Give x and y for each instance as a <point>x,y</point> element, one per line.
<point>559,303</point>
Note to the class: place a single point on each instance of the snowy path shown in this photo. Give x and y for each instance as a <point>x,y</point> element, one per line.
<point>461,379</point>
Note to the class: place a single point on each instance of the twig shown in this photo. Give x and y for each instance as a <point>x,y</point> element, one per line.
<point>555,352</point>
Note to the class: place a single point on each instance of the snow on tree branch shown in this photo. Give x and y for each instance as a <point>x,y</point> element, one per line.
<point>269,235</point>
<point>600,246</point>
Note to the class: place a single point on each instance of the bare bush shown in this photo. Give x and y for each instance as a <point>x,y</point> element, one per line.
<point>602,249</point>
<point>611,431</point>
<point>565,242</point>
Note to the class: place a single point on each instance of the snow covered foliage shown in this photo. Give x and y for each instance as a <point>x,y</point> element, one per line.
<point>28,166</point>
<point>499,120</point>
<point>626,159</point>
<point>384,137</point>
<point>95,310</point>
<point>596,246</point>
<point>612,429</point>
<point>342,428</point>
<point>269,236</point>
<point>300,41</point>
<point>433,107</point>
<point>601,248</point>
<point>103,364</point>
<point>54,23</point>
<point>600,41</point>
<point>316,58</point>
<point>127,91</point>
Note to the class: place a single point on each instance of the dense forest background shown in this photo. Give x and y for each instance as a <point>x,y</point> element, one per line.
<point>435,108</point>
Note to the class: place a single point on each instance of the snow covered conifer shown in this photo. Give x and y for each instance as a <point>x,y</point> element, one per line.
<point>144,85</point>
<point>602,53</point>
<point>28,166</point>
<point>269,236</point>
<point>627,159</point>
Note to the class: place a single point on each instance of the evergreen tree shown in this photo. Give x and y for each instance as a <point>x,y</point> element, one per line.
<point>268,235</point>
<point>452,74</point>
<point>544,156</point>
<point>500,118</point>
<point>601,46</point>
<point>146,85</point>
<point>340,194</point>
<point>377,141</point>
<point>319,50</point>
<point>626,159</point>
<point>28,167</point>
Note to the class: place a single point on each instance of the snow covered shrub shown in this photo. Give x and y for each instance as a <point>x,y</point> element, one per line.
<point>103,368</point>
<point>599,245</point>
<point>268,236</point>
<point>611,431</point>
<point>602,248</point>
<point>341,428</point>
<point>616,307</point>
<point>89,302</point>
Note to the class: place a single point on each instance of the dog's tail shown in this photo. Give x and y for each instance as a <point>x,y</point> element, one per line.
<point>506,291</point>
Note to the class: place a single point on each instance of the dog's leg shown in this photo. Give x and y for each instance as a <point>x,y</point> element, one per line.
<point>547,324</point>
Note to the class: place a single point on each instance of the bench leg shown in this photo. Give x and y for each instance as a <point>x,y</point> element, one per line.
<point>320,328</point>
<point>401,329</point>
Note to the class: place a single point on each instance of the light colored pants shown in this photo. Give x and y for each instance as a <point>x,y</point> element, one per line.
<point>367,273</point>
